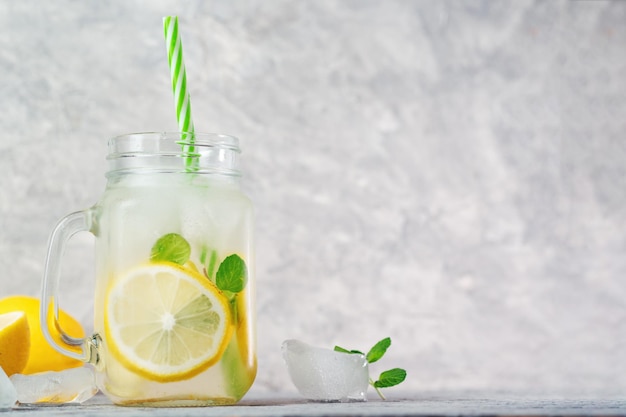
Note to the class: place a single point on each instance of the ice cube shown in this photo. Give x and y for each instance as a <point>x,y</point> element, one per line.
<point>69,386</point>
<point>8,396</point>
<point>325,375</point>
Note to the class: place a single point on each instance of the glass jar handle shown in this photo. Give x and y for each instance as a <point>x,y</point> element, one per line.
<point>67,227</point>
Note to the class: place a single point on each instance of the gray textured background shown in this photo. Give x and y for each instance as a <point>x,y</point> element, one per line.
<point>451,174</point>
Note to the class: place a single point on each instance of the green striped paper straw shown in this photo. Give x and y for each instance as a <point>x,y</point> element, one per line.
<point>179,86</point>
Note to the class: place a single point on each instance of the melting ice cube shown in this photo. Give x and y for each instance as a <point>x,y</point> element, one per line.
<point>325,375</point>
<point>8,396</point>
<point>69,386</point>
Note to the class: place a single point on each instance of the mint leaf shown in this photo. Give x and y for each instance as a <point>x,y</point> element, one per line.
<point>342,350</point>
<point>232,275</point>
<point>171,247</point>
<point>378,350</point>
<point>390,378</point>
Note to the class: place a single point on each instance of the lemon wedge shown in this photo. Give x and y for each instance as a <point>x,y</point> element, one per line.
<point>166,322</point>
<point>42,356</point>
<point>14,342</point>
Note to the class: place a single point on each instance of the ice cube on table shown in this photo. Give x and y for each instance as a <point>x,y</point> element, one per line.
<point>8,396</point>
<point>69,386</point>
<point>325,375</point>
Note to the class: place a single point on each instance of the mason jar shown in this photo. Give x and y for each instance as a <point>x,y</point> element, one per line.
<point>174,318</point>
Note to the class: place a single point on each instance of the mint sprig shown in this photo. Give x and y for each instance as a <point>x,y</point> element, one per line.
<point>232,273</point>
<point>389,378</point>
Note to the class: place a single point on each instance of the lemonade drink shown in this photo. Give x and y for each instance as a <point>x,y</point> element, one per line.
<point>174,315</point>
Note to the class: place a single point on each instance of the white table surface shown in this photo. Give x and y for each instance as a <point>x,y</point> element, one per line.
<point>396,405</point>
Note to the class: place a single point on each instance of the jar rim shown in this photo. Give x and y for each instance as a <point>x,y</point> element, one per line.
<point>174,152</point>
<point>184,138</point>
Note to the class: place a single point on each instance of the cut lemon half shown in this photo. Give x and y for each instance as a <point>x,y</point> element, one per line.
<point>14,342</point>
<point>166,322</point>
<point>43,357</point>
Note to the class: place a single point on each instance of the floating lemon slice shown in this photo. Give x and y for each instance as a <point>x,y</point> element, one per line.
<point>166,322</point>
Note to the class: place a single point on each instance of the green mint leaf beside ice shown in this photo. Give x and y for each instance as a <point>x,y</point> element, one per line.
<point>171,247</point>
<point>378,350</point>
<point>342,350</point>
<point>390,378</point>
<point>232,274</point>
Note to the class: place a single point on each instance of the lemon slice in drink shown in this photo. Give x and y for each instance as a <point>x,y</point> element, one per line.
<point>166,322</point>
